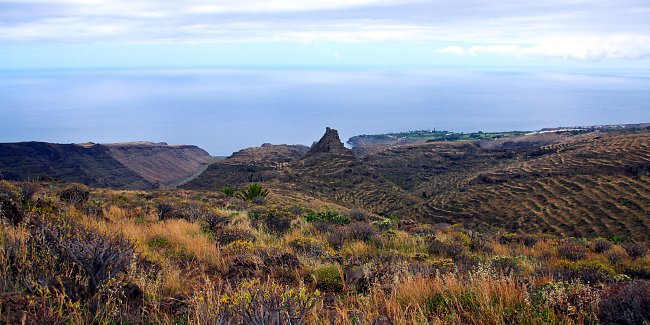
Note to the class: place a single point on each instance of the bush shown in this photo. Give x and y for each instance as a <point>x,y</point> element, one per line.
<point>163,210</point>
<point>589,271</point>
<point>75,193</point>
<point>327,216</point>
<point>572,251</point>
<point>337,237</point>
<point>530,241</point>
<point>439,248</point>
<point>328,278</point>
<point>616,255</point>
<point>214,222</point>
<point>277,222</point>
<point>252,192</point>
<point>225,236</point>
<point>626,304</point>
<point>362,231</point>
<point>308,246</point>
<point>99,256</point>
<point>358,215</point>
<point>10,203</point>
<point>601,246</point>
<point>384,225</point>
<point>635,250</point>
<point>228,191</point>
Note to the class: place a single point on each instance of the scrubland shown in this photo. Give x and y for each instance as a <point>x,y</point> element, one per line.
<point>74,255</point>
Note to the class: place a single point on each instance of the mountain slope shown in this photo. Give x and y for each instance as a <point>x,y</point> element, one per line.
<point>141,165</point>
<point>593,183</point>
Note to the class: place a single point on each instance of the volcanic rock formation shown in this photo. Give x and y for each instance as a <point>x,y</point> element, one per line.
<point>329,143</point>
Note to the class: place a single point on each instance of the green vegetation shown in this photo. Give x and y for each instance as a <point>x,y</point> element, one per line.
<point>439,136</point>
<point>252,192</point>
<point>327,216</point>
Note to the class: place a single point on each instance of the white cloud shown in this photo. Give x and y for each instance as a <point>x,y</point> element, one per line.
<point>453,50</point>
<point>586,48</point>
<point>609,29</point>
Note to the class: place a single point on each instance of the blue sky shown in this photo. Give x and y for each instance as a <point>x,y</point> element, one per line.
<point>594,34</point>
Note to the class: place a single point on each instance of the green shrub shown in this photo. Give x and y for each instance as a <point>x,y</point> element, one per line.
<point>158,241</point>
<point>328,278</point>
<point>327,216</point>
<point>252,192</point>
<point>228,191</point>
<point>589,271</point>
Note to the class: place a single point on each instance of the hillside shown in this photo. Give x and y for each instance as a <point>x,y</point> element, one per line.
<point>590,183</point>
<point>139,165</point>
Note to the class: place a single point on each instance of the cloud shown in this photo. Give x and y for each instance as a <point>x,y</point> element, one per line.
<point>589,30</point>
<point>620,47</point>
<point>453,50</point>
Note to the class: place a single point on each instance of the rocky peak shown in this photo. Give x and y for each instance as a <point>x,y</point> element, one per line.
<point>329,143</point>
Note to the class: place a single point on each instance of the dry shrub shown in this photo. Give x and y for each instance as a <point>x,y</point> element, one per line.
<point>338,237</point>
<point>635,250</point>
<point>572,251</point>
<point>628,303</point>
<point>225,236</point>
<point>362,231</point>
<point>601,246</point>
<point>75,194</point>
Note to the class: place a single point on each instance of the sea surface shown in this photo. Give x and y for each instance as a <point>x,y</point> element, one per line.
<point>224,110</point>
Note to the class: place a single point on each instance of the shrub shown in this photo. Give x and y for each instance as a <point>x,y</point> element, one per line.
<point>510,265</point>
<point>530,241</point>
<point>253,191</point>
<point>277,222</point>
<point>590,271</point>
<point>327,216</point>
<point>10,203</point>
<point>439,248</point>
<point>214,222</point>
<point>228,191</point>
<point>362,231</point>
<point>384,225</point>
<point>163,210</point>
<point>158,241</point>
<point>308,246</point>
<point>337,237</point>
<point>99,256</point>
<point>328,278</point>
<point>635,250</point>
<point>225,236</point>
<point>616,255</point>
<point>358,215</point>
<point>601,246</point>
<point>262,303</point>
<point>75,193</point>
<point>626,304</point>
<point>572,251</point>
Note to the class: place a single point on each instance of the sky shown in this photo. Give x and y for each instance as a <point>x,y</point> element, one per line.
<point>562,34</point>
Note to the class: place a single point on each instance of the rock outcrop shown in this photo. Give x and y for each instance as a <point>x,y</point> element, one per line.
<point>329,143</point>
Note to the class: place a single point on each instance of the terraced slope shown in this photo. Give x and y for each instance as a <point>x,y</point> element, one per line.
<point>595,187</point>
<point>255,164</point>
<point>589,184</point>
<point>349,181</point>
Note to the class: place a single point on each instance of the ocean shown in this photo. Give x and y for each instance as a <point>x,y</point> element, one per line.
<point>224,110</point>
